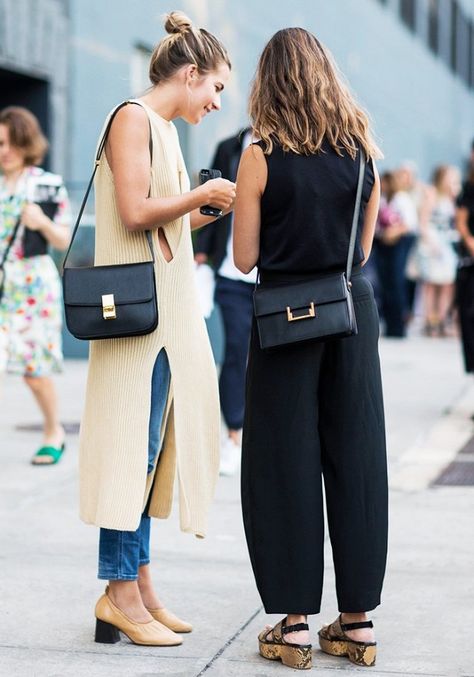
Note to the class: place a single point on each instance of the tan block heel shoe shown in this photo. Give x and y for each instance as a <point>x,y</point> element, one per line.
<point>111,620</point>
<point>170,620</point>
<point>333,640</point>
<point>298,656</point>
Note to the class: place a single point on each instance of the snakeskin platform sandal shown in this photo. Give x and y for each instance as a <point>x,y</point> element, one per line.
<point>333,640</point>
<point>297,656</point>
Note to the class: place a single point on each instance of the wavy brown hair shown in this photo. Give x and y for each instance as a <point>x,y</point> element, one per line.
<point>298,98</point>
<point>25,133</point>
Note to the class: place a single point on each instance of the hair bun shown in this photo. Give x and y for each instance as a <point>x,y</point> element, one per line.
<point>177,22</point>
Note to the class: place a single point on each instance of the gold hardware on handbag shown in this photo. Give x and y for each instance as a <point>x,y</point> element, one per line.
<point>292,318</point>
<point>108,307</point>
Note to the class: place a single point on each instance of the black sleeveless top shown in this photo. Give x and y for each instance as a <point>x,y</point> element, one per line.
<point>307,209</point>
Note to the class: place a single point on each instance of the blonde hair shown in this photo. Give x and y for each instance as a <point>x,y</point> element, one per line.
<point>185,45</point>
<point>25,133</point>
<point>298,99</point>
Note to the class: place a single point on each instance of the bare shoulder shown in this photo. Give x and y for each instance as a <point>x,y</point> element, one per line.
<point>254,154</point>
<point>130,120</point>
<point>253,168</point>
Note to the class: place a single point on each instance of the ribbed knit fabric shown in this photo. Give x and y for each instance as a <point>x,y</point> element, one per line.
<point>114,430</point>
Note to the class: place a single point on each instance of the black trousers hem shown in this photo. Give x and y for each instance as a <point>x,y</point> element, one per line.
<point>358,607</point>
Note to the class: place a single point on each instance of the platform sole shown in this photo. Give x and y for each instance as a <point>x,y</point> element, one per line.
<point>358,653</point>
<point>299,658</point>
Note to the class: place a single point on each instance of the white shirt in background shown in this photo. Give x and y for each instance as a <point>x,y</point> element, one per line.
<point>404,204</point>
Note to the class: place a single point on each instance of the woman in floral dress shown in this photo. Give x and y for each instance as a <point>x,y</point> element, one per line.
<point>30,305</point>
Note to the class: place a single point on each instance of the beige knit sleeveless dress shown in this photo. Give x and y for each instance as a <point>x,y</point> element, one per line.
<point>114,486</point>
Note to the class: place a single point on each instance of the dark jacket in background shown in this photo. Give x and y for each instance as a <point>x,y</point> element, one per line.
<point>212,239</point>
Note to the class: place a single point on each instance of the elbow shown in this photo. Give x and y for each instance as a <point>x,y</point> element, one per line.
<point>133,218</point>
<point>245,255</point>
<point>244,266</point>
<point>133,223</point>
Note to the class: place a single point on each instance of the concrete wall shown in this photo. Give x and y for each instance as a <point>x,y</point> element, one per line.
<point>420,109</point>
<point>34,39</point>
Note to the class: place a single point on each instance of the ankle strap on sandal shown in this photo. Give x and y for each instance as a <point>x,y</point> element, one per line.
<point>355,626</point>
<point>294,628</point>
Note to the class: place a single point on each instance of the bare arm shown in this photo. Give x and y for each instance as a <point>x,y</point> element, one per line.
<point>128,155</point>
<point>370,217</point>
<point>462,216</point>
<point>251,182</point>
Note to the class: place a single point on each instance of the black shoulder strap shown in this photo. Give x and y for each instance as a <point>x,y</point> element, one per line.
<point>10,243</point>
<point>355,217</point>
<point>100,150</point>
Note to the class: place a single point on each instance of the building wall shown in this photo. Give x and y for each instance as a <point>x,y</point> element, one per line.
<point>34,39</point>
<point>420,109</point>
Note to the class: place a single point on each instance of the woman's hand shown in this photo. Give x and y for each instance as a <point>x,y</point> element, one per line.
<point>218,193</point>
<point>201,258</point>
<point>391,234</point>
<point>33,217</point>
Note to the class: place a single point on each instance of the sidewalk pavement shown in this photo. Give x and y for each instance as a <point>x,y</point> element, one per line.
<point>48,586</point>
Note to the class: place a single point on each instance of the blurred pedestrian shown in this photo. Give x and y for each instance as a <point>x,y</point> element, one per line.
<point>434,253</point>
<point>296,191</point>
<point>30,289</point>
<point>395,237</point>
<point>465,274</point>
<point>233,294</point>
<point>152,408</point>
<point>419,193</point>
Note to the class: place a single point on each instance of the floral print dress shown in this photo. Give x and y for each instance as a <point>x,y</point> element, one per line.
<point>30,308</point>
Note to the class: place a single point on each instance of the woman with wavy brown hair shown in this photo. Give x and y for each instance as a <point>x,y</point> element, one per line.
<point>314,409</point>
<point>34,217</point>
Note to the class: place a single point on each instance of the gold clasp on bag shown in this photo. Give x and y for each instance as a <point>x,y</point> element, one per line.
<point>293,318</point>
<point>108,307</point>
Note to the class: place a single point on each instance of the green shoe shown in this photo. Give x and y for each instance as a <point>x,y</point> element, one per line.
<point>51,455</point>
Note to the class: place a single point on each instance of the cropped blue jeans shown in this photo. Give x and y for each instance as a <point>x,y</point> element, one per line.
<point>121,553</point>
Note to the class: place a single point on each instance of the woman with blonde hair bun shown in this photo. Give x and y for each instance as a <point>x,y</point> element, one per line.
<point>152,408</point>
<point>314,408</point>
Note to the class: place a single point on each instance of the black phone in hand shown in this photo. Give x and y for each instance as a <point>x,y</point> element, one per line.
<point>205,175</point>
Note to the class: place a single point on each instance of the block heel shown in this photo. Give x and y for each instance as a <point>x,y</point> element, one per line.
<point>111,619</point>
<point>105,633</point>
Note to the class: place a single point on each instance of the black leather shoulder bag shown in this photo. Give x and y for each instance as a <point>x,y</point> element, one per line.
<point>113,301</point>
<point>319,309</point>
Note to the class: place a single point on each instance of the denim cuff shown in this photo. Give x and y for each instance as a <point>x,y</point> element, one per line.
<point>115,577</point>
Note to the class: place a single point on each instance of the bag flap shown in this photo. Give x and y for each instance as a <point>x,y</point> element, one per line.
<point>129,283</point>
<point>270,300</point>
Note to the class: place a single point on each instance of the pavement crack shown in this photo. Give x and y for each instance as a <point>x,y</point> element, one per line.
<point>230,641</point>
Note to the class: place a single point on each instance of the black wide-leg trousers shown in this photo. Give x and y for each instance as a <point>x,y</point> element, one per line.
<point>314,411</point>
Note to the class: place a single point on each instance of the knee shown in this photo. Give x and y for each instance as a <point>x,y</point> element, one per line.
<point>33,382</point>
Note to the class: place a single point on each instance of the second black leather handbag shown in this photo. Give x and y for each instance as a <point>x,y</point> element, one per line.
<point>112,301</point>
<point>318,309</point>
